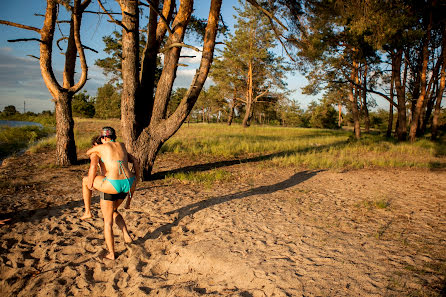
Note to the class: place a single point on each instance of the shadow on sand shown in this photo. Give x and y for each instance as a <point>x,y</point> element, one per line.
<point>191,209</point>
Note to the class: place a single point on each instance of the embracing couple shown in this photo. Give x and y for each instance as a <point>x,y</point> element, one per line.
<point>114,183</point>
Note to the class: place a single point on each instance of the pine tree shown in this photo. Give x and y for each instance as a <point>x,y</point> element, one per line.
<point>247,64</point>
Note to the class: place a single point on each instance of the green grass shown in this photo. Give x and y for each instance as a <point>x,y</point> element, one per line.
<point>310,148</point>
<point>379,203</point>
<point>84,130</point>
<point>207,178</point>
<point>15,139</point>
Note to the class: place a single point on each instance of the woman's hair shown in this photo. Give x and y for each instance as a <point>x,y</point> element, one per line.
<point>108,132</point>
<point>96,140</point>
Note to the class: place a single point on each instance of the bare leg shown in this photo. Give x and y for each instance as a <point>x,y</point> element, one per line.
<point>119,220</point>
<point>130,196</point>
<point>86,194</point>
<point>107,212</point>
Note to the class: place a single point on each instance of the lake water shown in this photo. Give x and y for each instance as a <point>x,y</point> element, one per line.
<point>18,123</point>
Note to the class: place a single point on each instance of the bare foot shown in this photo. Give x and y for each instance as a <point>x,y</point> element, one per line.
<point>110,256</point>
<point>86,216</point>
<point>127,238</point>
<point>105,258</point>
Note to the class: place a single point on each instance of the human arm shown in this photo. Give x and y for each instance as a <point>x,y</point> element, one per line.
<point>94,161</point>
<point>135,163</point>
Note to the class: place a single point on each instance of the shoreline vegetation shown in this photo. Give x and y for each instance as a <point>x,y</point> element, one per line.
<point>275,146</point>
<point>15,140</point>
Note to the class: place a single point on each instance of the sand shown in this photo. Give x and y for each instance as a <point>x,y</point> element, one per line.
<point>265,232</point>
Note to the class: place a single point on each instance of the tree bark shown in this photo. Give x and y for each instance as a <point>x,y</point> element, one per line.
<point>423,82</point>
<point>390,120</point>
<point>231,114</point>
<point>65,145</point>
<point>339,114</point>
<point>130,65</point>
<point>364,102</point>
<point>434,132</point>
<point>401,129</point>
<point>146,145</point>
<point>353,100</point>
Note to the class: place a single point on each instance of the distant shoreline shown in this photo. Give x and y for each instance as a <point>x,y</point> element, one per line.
<point>18,123</point>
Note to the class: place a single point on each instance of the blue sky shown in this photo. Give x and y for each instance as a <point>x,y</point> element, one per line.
<point>20,78</point>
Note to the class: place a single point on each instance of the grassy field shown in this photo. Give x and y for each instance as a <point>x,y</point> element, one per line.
<point>16,139</point>
<point>279,146</point>
<point>311,148</point>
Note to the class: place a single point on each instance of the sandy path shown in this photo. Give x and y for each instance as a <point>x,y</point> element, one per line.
<point>270,233</point>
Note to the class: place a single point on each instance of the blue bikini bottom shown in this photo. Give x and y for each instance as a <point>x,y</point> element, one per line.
<point>121,185</point>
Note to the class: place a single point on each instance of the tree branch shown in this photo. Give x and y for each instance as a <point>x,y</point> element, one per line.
<point>25,39</point>
<point>260,95</point>
<point>150,4</point>
<point>98,12</point>
<point>20,26</point>
<point>266,12</point>
<point>112,20</point>
<point>178,44</point>
<point>59,40</point>
<point>77,14</point>
<point>278,35</point>
<point>368,90</point>
<point>65,4</point>
<point>89,48</point>
<point>33,57</point>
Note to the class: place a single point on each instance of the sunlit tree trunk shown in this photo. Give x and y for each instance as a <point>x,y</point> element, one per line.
<point>65,144</point>
<point>364,101</point>
<point>390,120</point>
<point>440,91</point>
<point>414,125</point>
<point>144,138</point>
<point>353,100</point>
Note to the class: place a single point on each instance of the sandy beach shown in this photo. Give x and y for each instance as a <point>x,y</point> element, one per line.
<point>265,232</point>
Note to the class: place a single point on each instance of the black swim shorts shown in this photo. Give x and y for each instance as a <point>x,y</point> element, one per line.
<point>113,197</point>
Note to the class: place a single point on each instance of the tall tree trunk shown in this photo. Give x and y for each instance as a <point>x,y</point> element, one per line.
<point>65,145</point>
<point>364,102</point>
<point>428,111</point>
<point>130,65</point>
<point>353,100</point>
<point>231,114</point>
<point>160,129</point>
<point>339,115</point>
<point>423,82</point>
<point>248,115</point>
<point>434,133</point>
<point>401,129</point>
<point>390,120</point>
<point>249,98</point>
